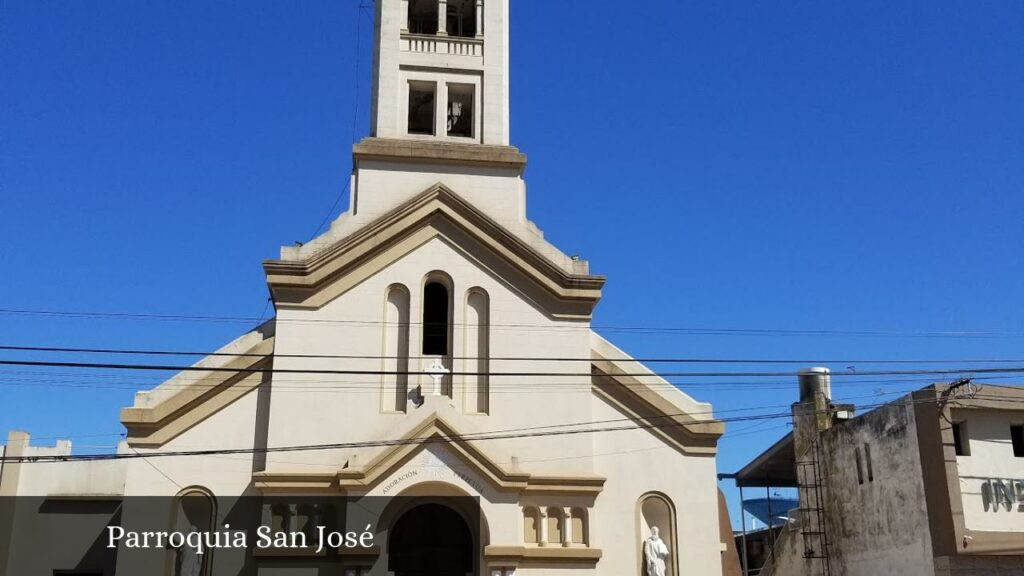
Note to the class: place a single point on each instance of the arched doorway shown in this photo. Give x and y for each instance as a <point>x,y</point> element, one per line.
<point>430,540</point>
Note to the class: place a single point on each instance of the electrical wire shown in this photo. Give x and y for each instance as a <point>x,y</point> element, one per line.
<point>705,331</point>
<point>490,374</point>
<point>516,433</point>
<point>656,360</point>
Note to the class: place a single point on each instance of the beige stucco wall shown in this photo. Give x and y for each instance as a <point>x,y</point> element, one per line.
<point>382,186</point>
<point>320,409</point>
<point>991,459</point>
<point>64,479</point>
<point>346,408</point>
<point>230,428</point>
<point>636,463</point>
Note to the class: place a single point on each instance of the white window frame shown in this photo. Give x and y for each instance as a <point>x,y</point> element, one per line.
<point>441,81</point>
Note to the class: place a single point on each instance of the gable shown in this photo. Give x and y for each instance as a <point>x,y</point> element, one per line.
<point>188,398</point>
<point>436,213</point>
<point>432,431</point>
<point>651,402</point>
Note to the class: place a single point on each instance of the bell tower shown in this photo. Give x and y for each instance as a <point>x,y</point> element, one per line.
<point>439,115</point>
<point>441,71</point>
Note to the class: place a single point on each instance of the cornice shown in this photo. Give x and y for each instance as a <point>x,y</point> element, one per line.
<point>433,429</point>
<point>437,212</point>
<point>438,152</point>
<point>525,555</point>
<point>153,426</point>
<point>661,418</point>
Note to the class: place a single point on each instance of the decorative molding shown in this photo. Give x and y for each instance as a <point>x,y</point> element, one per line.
<point>662,418</point>
<point>153,426</point>
<point>542,554</point>
<point>433,429</point>
<point>438,152</point>
<point>437,212</point>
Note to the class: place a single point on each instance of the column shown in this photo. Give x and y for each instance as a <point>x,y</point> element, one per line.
<point>442,17</point>
<point>479,18</point>
<point>293,516</point>
<point>404,15</point>
<point>267,515</point>
<point>543,512</point>
<point>317,520</point>
<point>567,527</point>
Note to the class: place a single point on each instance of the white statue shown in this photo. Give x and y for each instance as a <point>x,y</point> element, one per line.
<point>189,562</point>
<point>655,553</point>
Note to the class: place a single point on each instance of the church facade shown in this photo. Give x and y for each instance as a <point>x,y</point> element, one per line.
<point>433,343</point>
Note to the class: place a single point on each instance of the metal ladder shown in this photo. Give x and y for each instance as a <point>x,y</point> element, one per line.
<point>812,514</point>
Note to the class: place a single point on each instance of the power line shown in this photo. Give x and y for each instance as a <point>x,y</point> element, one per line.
<point>154,379</point>
<point>697,331</point>
<point>373,386</point>
<point>656,360</point>
<point>363,444</point>
<point>534,432</point>
<point>254,370</point>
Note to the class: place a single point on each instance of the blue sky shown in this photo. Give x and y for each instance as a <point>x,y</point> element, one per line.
<point>797,165</point>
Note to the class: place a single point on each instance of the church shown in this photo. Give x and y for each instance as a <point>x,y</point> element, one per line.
<point>431,344</point>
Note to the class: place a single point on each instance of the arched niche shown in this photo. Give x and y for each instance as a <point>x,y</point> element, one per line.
<point>477,342</point>
<point>195,510</point>
<point>531,525</point>
<point>395,350</point>
<point>555,524</point>
<point>656,509</point>
<point>579,527</point>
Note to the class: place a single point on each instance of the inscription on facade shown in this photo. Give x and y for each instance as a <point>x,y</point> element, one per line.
<point>999,495</point>
<point>434,473</point>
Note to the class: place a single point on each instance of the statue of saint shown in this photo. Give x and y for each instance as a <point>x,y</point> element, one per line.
<point>189,562</point>
<point>655,553</point>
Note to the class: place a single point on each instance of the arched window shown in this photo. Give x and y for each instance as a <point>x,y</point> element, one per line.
<point>554,521</point>
<point>655,510</point>
<point>477,343</point>
<point>423,16</point>
<point>579,526</point>
<point>395,380</point>
<point>531,525</point>
<point>436,322</point>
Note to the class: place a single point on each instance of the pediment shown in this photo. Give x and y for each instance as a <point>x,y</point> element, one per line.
<point>433,431</point>
<point>436,213</point>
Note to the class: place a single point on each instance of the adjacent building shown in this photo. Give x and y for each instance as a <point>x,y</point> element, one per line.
<point>929,484</point>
